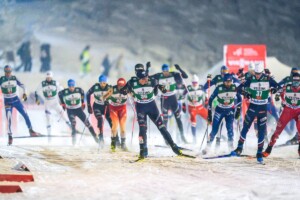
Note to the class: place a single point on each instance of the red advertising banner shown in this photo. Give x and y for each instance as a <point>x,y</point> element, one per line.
<point>240,55</point>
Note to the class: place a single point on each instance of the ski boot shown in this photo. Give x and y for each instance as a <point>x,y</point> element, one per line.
<point>299,150</point>
<point>207,148</point>
<point>293,141</point>
<point>10,140</point>
<point>123,144</point>
<point>33,133</point>
<point>113,144</point>
<point>101,140</point>
<point>267,152</point>
<point>237,152</point>
<point>259,157</point>
<point>118,143</point>
<point>143,153</point>
<point>176,149</point>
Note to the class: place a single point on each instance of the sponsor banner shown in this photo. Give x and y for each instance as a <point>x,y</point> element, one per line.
<point>240,55</point>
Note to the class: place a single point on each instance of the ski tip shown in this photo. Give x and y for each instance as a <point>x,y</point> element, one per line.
<point>187,156</point>
<point>137,160</point>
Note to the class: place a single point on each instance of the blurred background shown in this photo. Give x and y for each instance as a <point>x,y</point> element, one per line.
<point>60,35</point>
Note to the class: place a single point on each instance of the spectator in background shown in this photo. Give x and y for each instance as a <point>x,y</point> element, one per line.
<point>85,61</point>
<point>106,65</point>
<point>25,55</point>
<point>20,53</point>
<point>45,58</point>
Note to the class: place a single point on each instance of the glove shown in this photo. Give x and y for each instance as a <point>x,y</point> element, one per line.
<point>184,107</point>
<point>241,70</point>
<point>124,91</point>
<point>83,106</point>
<point>63,106</point>
<point>106,103</point>
<point>277,97</point>
<point>209,116</point>
<point>177,67</point>
<point>267,71</point>
<point>90,110</point>
<point>162,88</point>
<point>273,90</point>
<point>24,97</point>
<point>283,104</point>
<point>237,113</point>
<point>148,65</point>
<point>208,77</point>
<point>247,95</point>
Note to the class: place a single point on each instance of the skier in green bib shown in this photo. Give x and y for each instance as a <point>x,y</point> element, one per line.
<point>72,99</point>
<point>9,84</point>
<point>50,89</point>
<point>144,90</point>
<point>168,100</point>
<point>257,89</point>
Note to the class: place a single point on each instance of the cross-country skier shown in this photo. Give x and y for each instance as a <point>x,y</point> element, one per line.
<point>257,89</point>
<point>72,99</point>
<point>291,111</point>
<point>118,112</point>
<point>284,82</point>
<point>218,79</point>
<point>50,89</point>
<point>100,106</point>
<point>9,84</point>
<point>144,90</point>
<point>169,101</point>
<point>196,99</point>
<point>227,108</point>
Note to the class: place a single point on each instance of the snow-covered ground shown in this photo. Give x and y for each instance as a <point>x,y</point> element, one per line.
<point>63,171</point>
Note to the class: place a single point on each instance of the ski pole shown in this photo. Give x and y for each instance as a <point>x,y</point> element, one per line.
<point>102,127</point>
<point>83,129</point>
<point>206,132</point>
<point>134,117</point>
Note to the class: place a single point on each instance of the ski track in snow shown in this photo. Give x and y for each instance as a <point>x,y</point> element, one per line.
<point>80,172</point>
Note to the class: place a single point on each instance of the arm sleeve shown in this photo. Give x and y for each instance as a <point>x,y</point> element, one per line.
<point>282,82</point>
<point>212,82</point>
<point>21,85</point>
<point>274,84</point>
<point>61,97</point>
<point>213,96</point>
<point>244,85</point>
<point>183,74</point>
<point>82,95</point>
<point>239,99</point>
<point>88,95</point>
<point>178,78</point>
<point>236,81</point>
<point>38,89</point>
